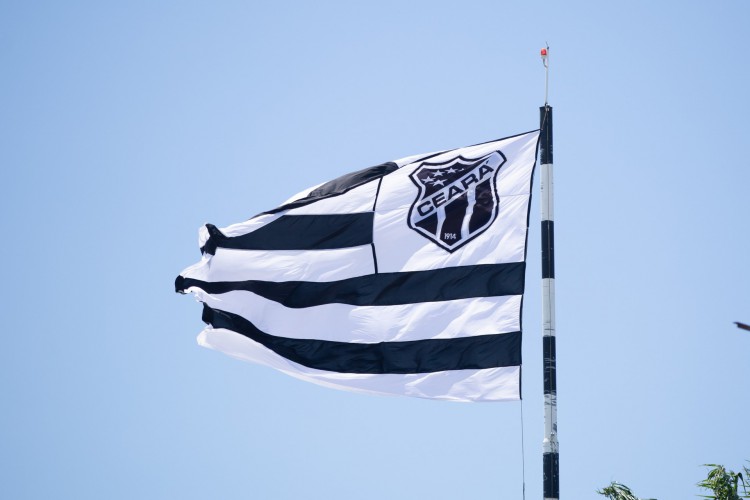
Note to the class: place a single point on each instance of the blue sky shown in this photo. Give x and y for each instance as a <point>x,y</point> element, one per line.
<point>125,126</point>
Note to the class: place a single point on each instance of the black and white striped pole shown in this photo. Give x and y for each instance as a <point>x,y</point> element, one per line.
<point>551,457</point>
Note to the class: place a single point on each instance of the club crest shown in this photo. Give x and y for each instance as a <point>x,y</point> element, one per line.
<point>457,199</point>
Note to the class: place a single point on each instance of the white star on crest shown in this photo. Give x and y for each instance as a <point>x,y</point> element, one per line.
<point>439,173</point>
<point>451,170</point>
<point>439,182</point>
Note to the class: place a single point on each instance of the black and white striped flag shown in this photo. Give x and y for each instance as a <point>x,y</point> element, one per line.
<point>406,278</point>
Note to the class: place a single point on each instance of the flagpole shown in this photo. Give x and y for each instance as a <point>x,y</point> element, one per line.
<point>551,457</point>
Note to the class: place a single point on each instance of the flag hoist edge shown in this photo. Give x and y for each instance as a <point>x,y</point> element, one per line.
<point>406,278</point>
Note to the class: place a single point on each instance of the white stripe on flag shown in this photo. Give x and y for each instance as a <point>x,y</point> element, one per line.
<point>370,324</point>
<point>240,228</point>
<point>285,265</point>
<point>359,199</point>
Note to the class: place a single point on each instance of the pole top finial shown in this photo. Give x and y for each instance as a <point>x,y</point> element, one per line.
<point>545,60</point>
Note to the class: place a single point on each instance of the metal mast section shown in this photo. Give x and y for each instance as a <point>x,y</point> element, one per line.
<point>551,457</point>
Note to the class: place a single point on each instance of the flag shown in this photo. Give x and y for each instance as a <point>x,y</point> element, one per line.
<point>406,278</point>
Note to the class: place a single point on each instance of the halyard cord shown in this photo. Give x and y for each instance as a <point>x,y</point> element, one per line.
<point>523,457</point>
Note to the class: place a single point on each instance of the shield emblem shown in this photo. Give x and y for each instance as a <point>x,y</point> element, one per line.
<point>457,199</point>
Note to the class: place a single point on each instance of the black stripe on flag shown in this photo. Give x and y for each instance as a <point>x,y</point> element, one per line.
<point>418,356</point>
<point>299,232</point>
<point>340,185</point>
<point>486,280</point>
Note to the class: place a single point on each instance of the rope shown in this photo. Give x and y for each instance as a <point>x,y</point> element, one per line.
<point>523,457</point>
